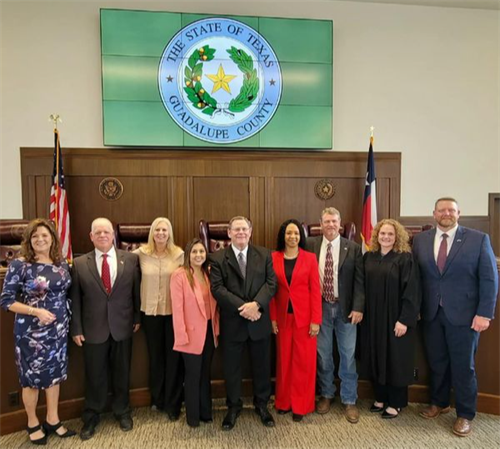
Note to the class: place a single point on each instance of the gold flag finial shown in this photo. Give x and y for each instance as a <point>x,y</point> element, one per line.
<point>372,128</point>
<point>55,119</point>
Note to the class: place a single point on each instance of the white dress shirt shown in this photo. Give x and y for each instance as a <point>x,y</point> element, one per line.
<point>238,251</point>
<point>439,237</point>
<point>322,258</point>
<point>112,262</point>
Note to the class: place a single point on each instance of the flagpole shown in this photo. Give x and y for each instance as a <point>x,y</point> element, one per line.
<point>55,118</point>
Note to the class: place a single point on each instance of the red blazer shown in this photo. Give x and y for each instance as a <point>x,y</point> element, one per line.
<point>304,291</point>
<point>189,314</point>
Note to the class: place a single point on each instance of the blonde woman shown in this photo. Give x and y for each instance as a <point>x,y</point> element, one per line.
<point>159,258</point>
<point>392,294</point>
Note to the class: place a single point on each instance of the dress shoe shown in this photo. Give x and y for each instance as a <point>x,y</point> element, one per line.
<point>323,405</point>
<point>283,412</point>
<point>49,428</point>
<point>352,413</point>
<point>387,415</point>
<point>126,423</point>
<point>173,416</point>
<point>88,429</point>
<point>297,418</point>
<point>230,419</point>
<point>39,441</point>
<point>433,411</point>
<point>376,409</point>
<point>265,417</point>
<point>462,427</point>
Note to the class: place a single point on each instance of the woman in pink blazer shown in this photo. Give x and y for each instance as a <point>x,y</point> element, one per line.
<point>196,328</point>
<point>295,316</point>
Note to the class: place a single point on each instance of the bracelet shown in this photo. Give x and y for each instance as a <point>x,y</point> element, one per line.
<point>30,311</point>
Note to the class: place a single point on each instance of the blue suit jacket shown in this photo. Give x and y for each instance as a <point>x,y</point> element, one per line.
<point>469,283</point>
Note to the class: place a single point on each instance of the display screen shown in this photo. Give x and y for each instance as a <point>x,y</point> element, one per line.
<point>189,80</point>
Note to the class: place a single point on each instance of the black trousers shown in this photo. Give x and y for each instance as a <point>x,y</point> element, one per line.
<point>261,371</point>
<point>198,395</point>
<point>166,369</point>
<point>103,361</point>
<point>395,397</point>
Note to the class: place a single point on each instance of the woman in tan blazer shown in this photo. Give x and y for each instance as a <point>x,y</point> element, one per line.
<point>196,328</point>
<point>159,258</point>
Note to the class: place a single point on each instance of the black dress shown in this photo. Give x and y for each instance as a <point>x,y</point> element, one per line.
<point>392,294</point>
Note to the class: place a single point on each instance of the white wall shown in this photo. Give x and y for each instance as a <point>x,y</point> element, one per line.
<point>427,78</point>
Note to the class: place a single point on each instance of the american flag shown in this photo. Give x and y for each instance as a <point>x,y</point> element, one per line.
<point>369,219</point>
<point>59,212</point>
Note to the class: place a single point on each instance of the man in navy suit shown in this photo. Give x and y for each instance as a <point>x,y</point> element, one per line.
<point>460,286</point>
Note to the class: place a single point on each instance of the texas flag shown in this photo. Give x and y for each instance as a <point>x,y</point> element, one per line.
<point>369,219</point>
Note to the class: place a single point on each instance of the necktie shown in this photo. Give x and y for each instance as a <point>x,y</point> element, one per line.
<point>328,293</point>
<point>105,274</point>
<point>442,253</point>
<point>242,264</point>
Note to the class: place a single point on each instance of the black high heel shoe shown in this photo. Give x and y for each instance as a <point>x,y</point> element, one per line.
<point>387,415</point>
<point>49,428</point>
<point>375,409</point>
<point>41,441</point>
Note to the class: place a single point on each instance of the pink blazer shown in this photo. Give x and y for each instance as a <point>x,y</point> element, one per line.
<point>189,314</point>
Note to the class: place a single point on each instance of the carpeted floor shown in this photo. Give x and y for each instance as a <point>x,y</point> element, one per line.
<point>153,430</point>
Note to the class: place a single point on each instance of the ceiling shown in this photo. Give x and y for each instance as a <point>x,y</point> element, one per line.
<point>471,4</point>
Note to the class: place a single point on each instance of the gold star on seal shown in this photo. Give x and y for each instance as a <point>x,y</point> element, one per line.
<point>221,80</point>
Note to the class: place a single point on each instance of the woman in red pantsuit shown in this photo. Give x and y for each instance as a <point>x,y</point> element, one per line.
<point>295,316</point>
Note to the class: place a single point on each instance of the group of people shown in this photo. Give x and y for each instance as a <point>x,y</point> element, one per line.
<point>306,293</point>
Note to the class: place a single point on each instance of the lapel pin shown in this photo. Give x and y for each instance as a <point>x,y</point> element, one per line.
<point>459,240</point>
<point>121,261</point>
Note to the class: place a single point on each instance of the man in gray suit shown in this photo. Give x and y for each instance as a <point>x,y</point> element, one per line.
<point>105,295</point>
<point>341,274</point>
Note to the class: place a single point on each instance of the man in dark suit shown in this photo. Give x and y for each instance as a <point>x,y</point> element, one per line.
<point>105,295</point>
<point>243,283</point>
<point>460,286</point>
<point>341,274</point>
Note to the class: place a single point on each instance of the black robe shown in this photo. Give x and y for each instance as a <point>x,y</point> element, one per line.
<point>392,293</point>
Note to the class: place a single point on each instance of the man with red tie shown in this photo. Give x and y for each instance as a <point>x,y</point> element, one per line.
<point>341,274</point>
<point>105,295</point>
<point>460,285</point>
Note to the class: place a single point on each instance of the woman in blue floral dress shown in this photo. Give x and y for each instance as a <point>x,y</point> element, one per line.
<point>35,289</point>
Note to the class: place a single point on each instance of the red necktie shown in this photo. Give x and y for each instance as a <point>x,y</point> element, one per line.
<point>328,293</point>
<point>105,274</point>
<point>442,253</point>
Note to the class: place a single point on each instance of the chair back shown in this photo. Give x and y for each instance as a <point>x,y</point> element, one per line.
<point>11,236</point>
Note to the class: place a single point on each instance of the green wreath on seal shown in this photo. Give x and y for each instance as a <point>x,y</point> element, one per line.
<point>201,99</point>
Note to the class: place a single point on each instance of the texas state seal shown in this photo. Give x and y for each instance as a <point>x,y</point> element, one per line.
<point>220,80</point>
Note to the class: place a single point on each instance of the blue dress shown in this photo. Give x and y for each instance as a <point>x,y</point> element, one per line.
<point>40,350</point>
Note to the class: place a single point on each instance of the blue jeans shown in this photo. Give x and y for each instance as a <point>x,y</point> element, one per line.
<point>346,343</point>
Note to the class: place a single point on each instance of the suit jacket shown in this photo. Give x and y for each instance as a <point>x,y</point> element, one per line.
<point>468,285</point>
<point>351,274</point>
<point>304,291</point>
<point>95,315</point>
<point>189,314</point>
<point>231,290</point>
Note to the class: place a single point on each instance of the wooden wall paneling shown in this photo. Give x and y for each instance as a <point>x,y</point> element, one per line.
<point>143,199</point>
<point>383,198</point>
<point>42,196</point>
<point>181,195</point>
<point>494,216</point>
<point>220,199</point>
<point>257,209</point>
<point>269,188</point>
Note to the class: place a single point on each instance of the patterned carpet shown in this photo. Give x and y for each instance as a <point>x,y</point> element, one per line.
<point>153,430</point>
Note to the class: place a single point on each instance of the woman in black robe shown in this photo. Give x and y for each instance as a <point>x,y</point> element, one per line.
<point>392,306</point>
